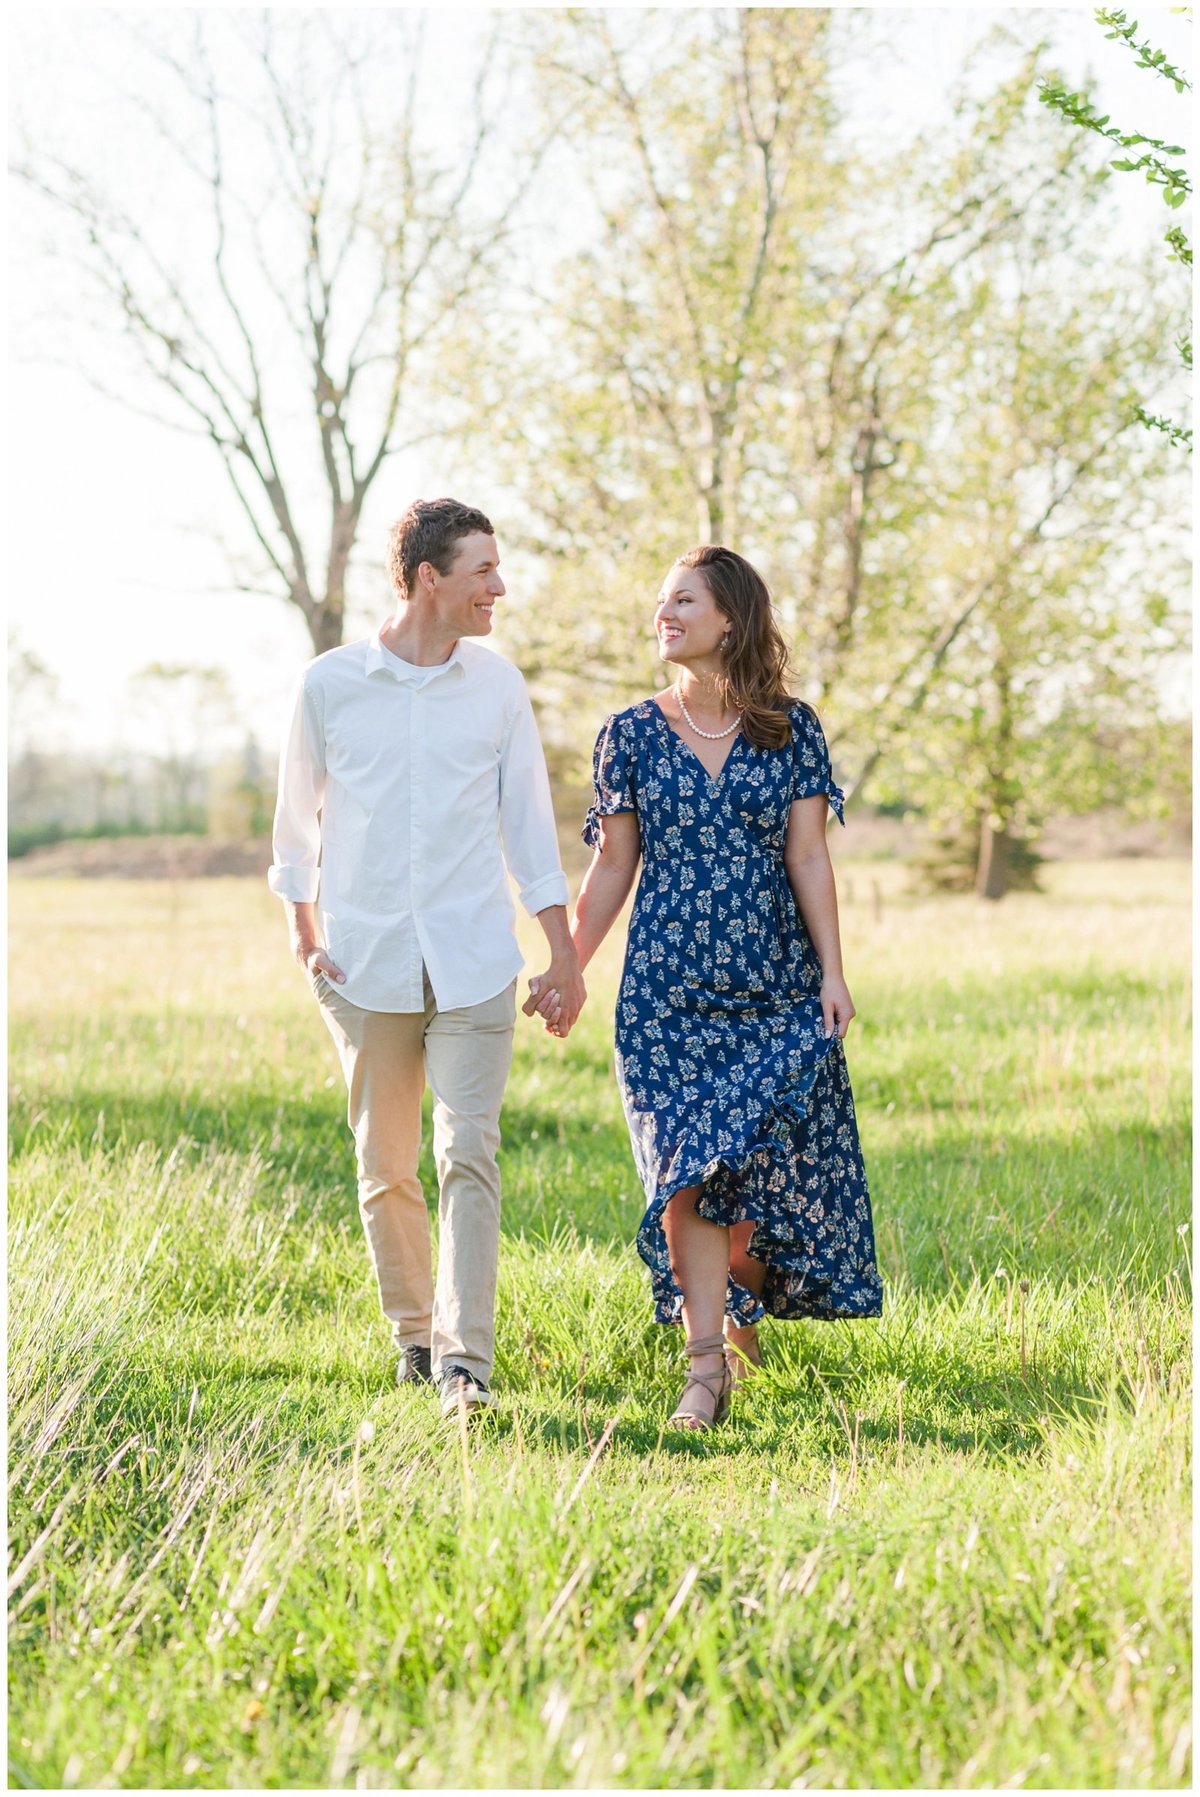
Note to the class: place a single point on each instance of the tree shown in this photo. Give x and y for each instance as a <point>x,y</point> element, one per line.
<point>33,696</point>
<point>902,390</point>
<point>703,139</point>
<point>1172,178</point>
<point>1064,640</point>
<point>33,702</point>
<point>190,707</point>
<point>306,328</point>
<point>728,358</point>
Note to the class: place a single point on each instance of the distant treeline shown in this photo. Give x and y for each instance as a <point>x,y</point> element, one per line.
<point>55,798</point>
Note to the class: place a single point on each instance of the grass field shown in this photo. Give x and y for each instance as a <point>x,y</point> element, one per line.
<point>948,1548</point>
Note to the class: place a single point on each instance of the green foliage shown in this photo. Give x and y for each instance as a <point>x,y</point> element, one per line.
<point>905,390</point>
<point>1180,252</point>
<point>23,839</point>
<point>947,1549</point>
<point>1147,56</point>
<point>1077,109</point>
<point>1178,433</point>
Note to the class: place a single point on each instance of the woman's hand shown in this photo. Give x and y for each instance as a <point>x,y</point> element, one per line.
<point>837,1006</point>
<point>558,995</point>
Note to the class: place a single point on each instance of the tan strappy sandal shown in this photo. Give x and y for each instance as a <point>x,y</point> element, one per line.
<point>717,1385</point>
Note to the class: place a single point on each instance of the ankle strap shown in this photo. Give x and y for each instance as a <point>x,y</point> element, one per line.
<point>713,1383</point>
<point>709,1345</point>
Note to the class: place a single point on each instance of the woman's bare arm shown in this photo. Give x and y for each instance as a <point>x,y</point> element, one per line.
<point>606,883</point>
<point>810,876</point>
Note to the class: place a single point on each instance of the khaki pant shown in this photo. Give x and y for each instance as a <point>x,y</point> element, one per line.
<point>386,1057</point>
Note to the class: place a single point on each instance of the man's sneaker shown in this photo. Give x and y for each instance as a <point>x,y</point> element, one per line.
<point>457,1386</point>
<point>415,1367</point>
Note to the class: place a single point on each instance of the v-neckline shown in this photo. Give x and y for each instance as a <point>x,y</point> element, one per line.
<point>714,780</point>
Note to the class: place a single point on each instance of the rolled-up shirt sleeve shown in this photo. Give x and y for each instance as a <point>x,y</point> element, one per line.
<point>527,813</point>
<point>295,871</point>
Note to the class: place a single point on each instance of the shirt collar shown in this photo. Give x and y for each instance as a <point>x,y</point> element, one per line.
<point>405,675</point>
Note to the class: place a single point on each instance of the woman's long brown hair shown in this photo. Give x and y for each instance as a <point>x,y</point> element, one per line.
<point>754,667</point>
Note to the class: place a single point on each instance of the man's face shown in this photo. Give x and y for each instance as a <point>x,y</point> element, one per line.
<point>463,599</point>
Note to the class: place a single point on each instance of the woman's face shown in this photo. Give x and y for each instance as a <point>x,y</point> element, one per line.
<point>686,620</point>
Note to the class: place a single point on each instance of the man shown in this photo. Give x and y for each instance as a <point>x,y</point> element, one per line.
<point>411,756</point>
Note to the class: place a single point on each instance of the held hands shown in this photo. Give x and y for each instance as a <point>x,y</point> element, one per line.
<point>837,1007</point>
<point>558,995</point>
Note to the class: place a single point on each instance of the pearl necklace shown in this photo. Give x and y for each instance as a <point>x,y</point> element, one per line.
<point>711,736</point>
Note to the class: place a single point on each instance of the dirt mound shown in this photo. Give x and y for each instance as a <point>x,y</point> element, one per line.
<point>145,858</point>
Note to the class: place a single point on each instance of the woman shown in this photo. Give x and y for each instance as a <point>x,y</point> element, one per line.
<point>732,1008</point>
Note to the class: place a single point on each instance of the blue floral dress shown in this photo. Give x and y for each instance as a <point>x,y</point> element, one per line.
<point>728,1079</point>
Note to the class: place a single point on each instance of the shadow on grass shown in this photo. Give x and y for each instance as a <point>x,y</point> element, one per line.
<point>289,1132</point>
<point>1049,1203</point>
<point>282,1408</point>
<point>271,1413</point>
<point>305,1141</point>
<point>998,1417</point>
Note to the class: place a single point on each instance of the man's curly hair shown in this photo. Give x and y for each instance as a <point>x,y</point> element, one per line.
<point>429,532</point>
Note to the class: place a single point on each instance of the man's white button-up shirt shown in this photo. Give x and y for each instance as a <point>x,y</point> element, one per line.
<point>398,786</point>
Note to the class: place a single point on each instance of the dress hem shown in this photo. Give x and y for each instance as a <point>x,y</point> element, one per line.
<point>742,1305</point>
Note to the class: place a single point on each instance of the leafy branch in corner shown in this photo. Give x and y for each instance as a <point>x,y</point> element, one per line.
<point>1077,109</point>
<point>1147,58</point>
<point>1178,433</point>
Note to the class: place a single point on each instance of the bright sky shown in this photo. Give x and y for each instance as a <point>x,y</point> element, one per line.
<point>112,559</point>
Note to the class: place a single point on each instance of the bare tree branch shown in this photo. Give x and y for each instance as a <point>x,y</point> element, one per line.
<point>360,196</point>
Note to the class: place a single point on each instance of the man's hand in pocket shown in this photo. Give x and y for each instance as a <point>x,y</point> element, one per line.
<point>317,961</point>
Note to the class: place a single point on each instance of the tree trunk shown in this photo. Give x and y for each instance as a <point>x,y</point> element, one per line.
<point>992,876</point>
<point>325,626</point>
<point>854,532</point>
<point>710,520</point>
